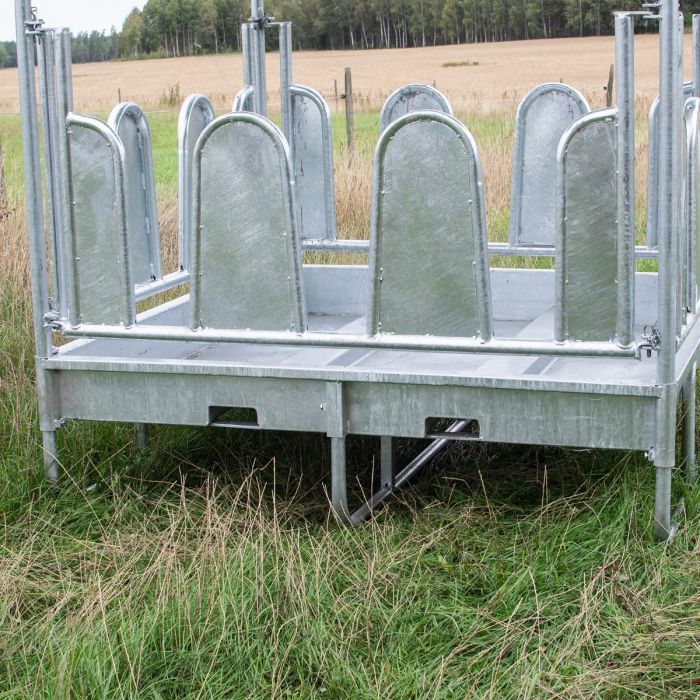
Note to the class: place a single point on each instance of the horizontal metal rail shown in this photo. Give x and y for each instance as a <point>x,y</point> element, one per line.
<point>354,245</point>
<point>149,289</point>
<point>344,340</point>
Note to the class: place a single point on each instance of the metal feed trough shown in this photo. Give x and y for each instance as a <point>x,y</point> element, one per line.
<point>426,340</point>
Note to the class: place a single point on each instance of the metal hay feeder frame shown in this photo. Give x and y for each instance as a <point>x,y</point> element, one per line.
<point>592,354</point>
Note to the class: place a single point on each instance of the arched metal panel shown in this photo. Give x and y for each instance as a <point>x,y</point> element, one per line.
<point>587,241</point>
<point>429,272</point>
<point>312,155</point>
<point>130,124</point>
<point>99,271</point>
<point>653,167</point>
<point>544,114</point>
<point>246,267</point>
<point>412,98</point>
<point>196,113</point>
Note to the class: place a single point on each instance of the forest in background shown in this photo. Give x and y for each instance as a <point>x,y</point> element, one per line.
<point>166,28</point>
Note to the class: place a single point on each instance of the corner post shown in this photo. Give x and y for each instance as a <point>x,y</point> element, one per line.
<point>26,24</point>
<point>669,203</point>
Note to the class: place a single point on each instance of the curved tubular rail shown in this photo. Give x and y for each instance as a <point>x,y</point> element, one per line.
<point>476,195</point>
<point>441,102</point>
<point>149,213</point>
<point>327,140</point>
<point>498,346</point>
<point>242,102</point>
<point>287,181</point>
<point>190,108</point>
<point>128,306</point>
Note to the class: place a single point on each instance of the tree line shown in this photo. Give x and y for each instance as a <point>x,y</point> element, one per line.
<point>188,27</point>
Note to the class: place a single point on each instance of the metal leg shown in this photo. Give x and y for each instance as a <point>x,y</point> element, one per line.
<point>388,459</point>
<point>339,490</point>
<point>689,459</point>
<point>142,436</point>
<point>665,527</point>
<point>50,449</point>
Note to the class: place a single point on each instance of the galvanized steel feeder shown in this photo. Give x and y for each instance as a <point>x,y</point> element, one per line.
<point>426,340</point>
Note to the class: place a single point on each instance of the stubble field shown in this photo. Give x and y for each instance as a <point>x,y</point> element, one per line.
<point>209,567</point>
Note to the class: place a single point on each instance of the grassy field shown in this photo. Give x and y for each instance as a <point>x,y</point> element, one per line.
<point>210,567</point>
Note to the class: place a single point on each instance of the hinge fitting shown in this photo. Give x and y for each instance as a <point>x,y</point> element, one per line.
<point>652,339</point>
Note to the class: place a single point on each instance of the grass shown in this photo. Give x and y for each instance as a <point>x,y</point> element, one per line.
<point>210,567</point>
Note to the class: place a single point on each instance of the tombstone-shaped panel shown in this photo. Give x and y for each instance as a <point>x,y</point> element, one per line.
<point>544,114</point>
<point>312,154</point>
<point>428,250</point>
<point>246,267</point>
<point>587,250</point>
<point>196,113</point>
<point>130,124</point>
<point>100,279</point>
<point>412,98</point>
<point>653,167</point>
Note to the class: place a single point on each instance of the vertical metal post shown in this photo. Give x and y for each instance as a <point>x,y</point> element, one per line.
<point>689,456</point>
<point>247,51</point>
<point>626,219</point>
<point>335,409</point>
<point>47,89</point>
<point>388,459</point>
<point>35,227</point>
<point>696,55</point>
<point>668,205</point>
<point>259,73</point>
<point>286,81</point>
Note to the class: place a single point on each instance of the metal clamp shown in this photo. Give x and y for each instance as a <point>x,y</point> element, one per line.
<point>34,24</point>
<point>652,339</point>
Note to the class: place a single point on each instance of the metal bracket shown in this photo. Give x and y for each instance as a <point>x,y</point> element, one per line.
<point>653,339</point>
<point>263,22</point>
<point>34,24</point>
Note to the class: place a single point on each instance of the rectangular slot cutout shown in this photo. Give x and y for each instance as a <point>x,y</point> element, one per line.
<point>233,417</point>
<point>440,427</point>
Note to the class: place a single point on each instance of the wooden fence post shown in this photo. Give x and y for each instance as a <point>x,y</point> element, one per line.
<point>349,112</point>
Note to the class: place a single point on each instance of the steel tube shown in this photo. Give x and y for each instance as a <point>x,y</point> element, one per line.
<point>174,279</point>
<point>345,340</point>
<point>626,219</point>
<point>667,197</point>
<point>696,55</point>
<point>247,52</point>
<point>352,245</point>
<point>258,51</point>
<point>47,89</point>
<point>689,456</point>
<point>285,39</point>
<point>32,177</point>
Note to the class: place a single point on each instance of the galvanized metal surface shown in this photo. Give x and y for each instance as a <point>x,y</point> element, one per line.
<point>412,98</point>
<point>196,113</point>
<point>313,163</point>
<point>243,212</point>
<point>445,348</point>
<point>692,201</point>
<point>99,270</point>
<point>428,244</point>
<point>587,251</point>
<point>543,116</point>
<point>129,123</point>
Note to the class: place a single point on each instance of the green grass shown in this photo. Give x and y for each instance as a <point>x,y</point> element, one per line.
<point>210,567</point>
